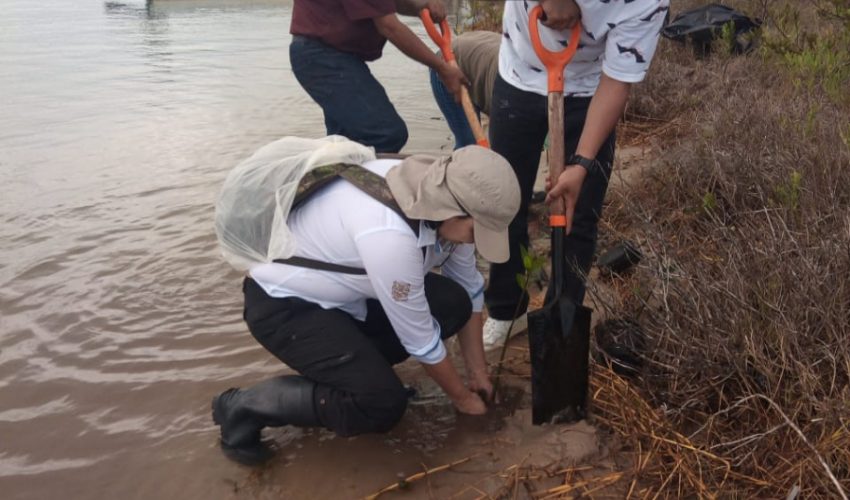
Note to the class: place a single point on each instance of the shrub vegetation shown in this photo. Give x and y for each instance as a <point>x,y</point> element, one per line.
<point>744,296</point>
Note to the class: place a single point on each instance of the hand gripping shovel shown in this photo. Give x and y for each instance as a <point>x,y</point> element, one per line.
<point>559,332</point>
<point>443,39</point>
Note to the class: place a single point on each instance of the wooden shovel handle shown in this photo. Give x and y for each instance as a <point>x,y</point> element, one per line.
<point>443,39</point>
<point>555,63</point>
<point>557,211</point>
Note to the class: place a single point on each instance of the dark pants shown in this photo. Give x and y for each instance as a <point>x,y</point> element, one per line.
<point>354,103</point>
<point>518,128</point>
<point>452,112</point>
<point>350,361</point>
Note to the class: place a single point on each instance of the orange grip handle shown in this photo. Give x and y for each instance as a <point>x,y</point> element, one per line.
<point>442,38</point>
<point>555,62</point>
<point>557,220</point>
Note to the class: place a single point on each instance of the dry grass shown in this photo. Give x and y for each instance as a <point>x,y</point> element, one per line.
<point>745,222</point>
<point>744,295</point>
<point>479,15</point>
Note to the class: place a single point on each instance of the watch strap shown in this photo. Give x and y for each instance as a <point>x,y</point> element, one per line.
<point>587,163</point>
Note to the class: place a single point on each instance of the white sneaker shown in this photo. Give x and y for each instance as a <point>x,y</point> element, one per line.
<point>496,330</point>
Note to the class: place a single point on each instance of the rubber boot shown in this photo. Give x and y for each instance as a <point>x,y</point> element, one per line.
<point>242,413</point>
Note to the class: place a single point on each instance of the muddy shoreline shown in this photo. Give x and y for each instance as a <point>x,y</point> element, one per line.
<point>503,454</point>
<point>119,318</point>
<point>317,464</point>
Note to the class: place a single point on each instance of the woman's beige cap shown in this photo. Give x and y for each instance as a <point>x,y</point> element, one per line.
<point>472,181</point>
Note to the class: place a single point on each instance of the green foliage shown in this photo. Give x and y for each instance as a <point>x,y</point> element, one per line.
<point>533,265</point>
<point>817,55</point>
<point>836,9</point>
<point>727,34</point>
<point>811,121</point>
<point>521,280</point>
<point>527,259</point>
<point>709,202</point>
<point>788,193</point>
<point>845,136</point>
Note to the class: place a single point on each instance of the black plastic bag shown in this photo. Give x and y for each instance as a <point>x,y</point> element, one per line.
<point>619,259</point>
<point>620,343</point>
<point>704,24</point>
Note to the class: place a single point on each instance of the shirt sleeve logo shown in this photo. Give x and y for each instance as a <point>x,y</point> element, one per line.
<point>401,291</point>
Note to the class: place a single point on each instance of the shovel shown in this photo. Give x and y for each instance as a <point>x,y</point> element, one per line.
<point>443,39</point>
<point>559,332</point>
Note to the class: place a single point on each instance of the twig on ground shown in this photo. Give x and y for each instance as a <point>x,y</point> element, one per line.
<point>415,477</point>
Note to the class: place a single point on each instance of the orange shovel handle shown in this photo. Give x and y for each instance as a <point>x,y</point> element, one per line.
<point>443,37</point>
<point>555,62</point>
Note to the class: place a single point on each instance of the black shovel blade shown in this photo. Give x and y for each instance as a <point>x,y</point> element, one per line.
<point>559,342</point>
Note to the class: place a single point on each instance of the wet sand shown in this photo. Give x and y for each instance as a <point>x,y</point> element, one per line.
<point>316,464</point>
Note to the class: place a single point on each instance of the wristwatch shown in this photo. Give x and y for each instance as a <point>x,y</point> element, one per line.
<point>587,163</point>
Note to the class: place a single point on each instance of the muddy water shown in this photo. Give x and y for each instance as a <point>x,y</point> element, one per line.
<point>118,319</point>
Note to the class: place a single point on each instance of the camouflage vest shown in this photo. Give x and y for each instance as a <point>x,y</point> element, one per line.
<point>367,181</point>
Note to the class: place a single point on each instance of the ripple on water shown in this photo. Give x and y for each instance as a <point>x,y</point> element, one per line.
<point>23,414</point>
<point>118,318</point>
<point>20,465</point>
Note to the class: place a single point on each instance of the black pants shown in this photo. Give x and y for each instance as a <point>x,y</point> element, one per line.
<point>518,128</point>
<point>351,361</point>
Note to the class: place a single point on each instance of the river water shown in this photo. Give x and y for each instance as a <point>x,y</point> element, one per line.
<point>118,319</point>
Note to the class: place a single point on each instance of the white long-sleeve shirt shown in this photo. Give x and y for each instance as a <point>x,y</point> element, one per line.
<point>343,225</point>
<point>618,38</point>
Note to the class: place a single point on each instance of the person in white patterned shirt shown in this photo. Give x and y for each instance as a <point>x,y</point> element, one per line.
<point>617,43</point>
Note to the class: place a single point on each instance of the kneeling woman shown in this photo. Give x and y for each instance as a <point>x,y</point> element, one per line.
<point>367,298</point>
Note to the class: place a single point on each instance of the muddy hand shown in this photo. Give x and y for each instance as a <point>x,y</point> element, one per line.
<point>560,14</point>
<point>470,404</point>
<point>484,388</point>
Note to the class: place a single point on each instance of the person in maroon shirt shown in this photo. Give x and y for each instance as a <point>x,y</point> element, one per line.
<point>331,43</point>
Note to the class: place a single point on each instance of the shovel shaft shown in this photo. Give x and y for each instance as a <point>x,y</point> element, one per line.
<point>443,39</point>
<point>556,155</point>
<point>558,265</point>
<point>472,116</point>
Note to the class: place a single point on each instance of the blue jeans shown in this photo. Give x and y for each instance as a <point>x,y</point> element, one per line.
<point>452,111</point>
<point>518,127</point>
<point>354,103</point>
